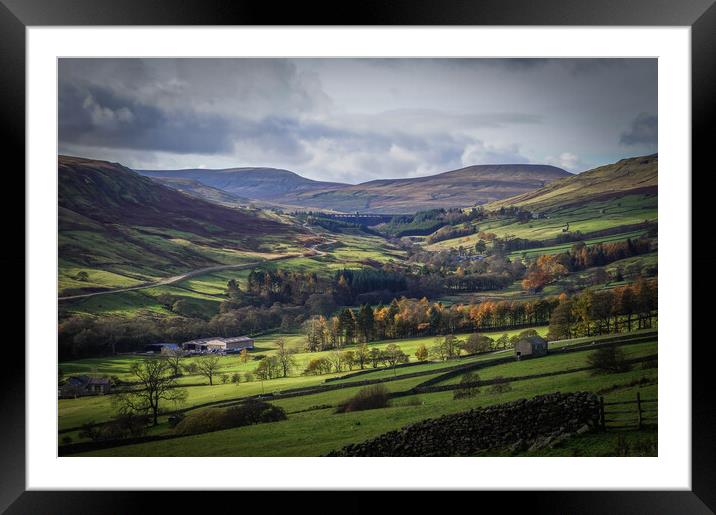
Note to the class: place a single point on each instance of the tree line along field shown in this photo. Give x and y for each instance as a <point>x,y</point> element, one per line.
<point>556,249</point>
<point>312,427</point>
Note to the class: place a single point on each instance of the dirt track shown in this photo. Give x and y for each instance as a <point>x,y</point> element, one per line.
<point>193,273</point>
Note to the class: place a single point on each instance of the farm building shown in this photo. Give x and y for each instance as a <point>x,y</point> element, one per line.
<point>232,344</point>
<point>79,386</point>
<point>204,344</point>
<point>531,346</point>
<point>239,342</point>
<point>161,348</point>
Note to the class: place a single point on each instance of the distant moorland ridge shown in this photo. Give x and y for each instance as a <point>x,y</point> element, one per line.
<point>468,186</point>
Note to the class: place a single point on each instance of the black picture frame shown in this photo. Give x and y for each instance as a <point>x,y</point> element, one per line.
<point>17,15</point>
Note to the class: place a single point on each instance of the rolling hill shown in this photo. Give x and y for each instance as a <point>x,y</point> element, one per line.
<point>121,228</point>
<point>457,188</point>
<point>199,190</point>
<point>632,176</point>
<point>619,198</point>
<point>253,183</point>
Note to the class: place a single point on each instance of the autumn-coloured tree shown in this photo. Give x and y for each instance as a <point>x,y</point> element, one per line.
<point>421,353</point>
<point>543,271</point>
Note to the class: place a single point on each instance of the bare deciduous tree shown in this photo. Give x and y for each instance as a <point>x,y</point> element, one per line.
<point>155,386</point>
<point>174,358</point>
<point>209,365</point>
<point>285,356</point>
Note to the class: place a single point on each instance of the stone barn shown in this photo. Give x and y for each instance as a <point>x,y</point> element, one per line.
<point>80,386</point>
<point>531,346</point>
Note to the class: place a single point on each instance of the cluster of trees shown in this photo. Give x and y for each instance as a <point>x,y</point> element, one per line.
<point>347,327</point>
<point>462,281</point>
<point>513,244</point>
<point>406,318</point>
<point>334,225</point>
<point>587,313</point>
<point>548,268</point>
<point>544,270</point>
<point>448,260</point>
<point>424,223</point>
<point>277,365</point>
<point>319,294</point>
<point>605,311</point>
<point>455,270</point>
<point>582,256</point>
<point>352,283</point>
<point>265,287</point>
<point>359,357</point>
<point>449,232</point>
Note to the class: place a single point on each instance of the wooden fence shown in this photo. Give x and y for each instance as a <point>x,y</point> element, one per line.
<point>628,414</point>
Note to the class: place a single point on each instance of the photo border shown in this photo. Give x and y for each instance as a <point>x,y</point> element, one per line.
<point>16,15</point>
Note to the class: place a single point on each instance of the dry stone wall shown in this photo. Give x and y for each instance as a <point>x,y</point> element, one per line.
<point>526,424</point>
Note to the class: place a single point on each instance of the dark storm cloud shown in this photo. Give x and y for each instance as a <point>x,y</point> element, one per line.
<point>356,119</point>
<point>644,129</point>
<point>97,117</point>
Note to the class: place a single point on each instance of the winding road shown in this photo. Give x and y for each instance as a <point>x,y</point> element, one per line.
<point>193,273</point>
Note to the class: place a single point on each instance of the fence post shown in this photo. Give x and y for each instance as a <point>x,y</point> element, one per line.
<point>601,414</point>
<point>638,409</point>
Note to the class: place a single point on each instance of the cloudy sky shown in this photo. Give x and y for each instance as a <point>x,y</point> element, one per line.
<point>353,120</point>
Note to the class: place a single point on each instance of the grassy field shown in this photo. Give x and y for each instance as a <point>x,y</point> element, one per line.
<point>313,429</point>
<point>626,177</point>
<point>205,292</point>
<point>318,431</point>
<point>74,412</point>
<point>590,217</point>
<point>555,363</point>
<point>119,263</point>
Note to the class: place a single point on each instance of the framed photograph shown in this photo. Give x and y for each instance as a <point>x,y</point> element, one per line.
<point>416,249</point>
